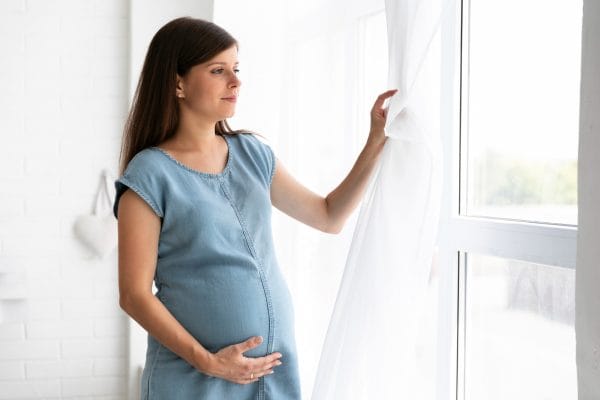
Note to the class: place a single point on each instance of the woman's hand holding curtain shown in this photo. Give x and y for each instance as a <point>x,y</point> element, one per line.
<point>378,118</point>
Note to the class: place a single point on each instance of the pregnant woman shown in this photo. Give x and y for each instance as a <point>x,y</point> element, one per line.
<point>197,222</point>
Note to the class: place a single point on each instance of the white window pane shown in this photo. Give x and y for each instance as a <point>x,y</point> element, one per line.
<point>519,336</point>
<point>523,109</point>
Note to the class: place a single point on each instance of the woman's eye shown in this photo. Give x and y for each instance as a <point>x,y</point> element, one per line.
<point>220,70</point>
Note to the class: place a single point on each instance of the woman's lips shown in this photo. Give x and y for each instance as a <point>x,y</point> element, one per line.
<point>230,99</point>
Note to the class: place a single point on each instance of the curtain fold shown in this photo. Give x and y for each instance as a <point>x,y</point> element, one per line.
<point>369,349</point>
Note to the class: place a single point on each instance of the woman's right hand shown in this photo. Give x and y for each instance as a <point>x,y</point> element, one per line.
<point>230,364</point>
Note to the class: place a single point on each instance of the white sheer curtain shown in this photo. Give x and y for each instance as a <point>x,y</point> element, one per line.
<point>369,350</point>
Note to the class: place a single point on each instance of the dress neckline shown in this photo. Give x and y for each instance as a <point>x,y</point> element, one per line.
<point>201,173</point>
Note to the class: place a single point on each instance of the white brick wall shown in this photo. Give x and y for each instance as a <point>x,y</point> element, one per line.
<point>63,100</point>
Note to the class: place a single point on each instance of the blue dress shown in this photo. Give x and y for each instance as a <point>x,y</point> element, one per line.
<point>216,271</point>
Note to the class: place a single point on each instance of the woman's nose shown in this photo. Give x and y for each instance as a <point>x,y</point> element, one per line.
<point>235,81</point>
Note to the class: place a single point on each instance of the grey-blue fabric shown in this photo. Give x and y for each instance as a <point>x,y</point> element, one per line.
<point>216,270</point>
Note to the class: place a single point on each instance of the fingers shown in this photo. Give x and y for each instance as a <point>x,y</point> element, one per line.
<point>271,357</point>
<point>262,366</point>
<point>247,381</point>
<point>265,363</point>
<point>243,370</point>
<point>268,369</point>
<point>254,342</point>
<point>256,373</point>
<point>250,344</point>
<point>388,93</point>
<point>382,97</point>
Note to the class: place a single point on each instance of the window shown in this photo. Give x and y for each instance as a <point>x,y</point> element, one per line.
<point>507,240</point>
<point>522,109</point>
<point>519,340</point>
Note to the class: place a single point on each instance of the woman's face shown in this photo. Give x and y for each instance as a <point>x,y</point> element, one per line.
<point>210,89</point>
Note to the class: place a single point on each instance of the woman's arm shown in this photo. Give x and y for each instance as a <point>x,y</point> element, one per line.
<point>330,213</point>
<point>139,230</point>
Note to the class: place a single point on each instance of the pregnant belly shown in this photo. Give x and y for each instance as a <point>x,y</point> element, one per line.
<point>222,306</point>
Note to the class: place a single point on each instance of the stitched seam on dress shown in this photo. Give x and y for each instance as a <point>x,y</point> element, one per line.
<point>156,353</point>
<point>261,388</point>
<point>263,279</point>
<point>261,273</point>
<point>272,165</point>
<point>205,175</point>
<point>142,194</point>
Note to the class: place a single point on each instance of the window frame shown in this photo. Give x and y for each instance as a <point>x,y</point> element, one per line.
<point>459,234</point>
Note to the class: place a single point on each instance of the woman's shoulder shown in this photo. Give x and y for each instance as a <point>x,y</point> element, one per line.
<point>257,154</point>
<point>147,159</point>
<point>252,140</point>
<point>149,154</point>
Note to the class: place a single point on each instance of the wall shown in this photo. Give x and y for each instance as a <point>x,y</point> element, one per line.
<point>63,74</point>
<point>587,321</point>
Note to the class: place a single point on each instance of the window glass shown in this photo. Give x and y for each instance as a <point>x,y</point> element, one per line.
<point>522,118</point>
<point>519,333</point>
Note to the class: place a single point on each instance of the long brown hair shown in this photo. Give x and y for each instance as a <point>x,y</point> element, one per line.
<point>174,49</point>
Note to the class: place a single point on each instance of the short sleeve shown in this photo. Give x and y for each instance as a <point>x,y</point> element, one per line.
<point>271,157</point>
<point>141,176</point>
<point>266,156</point>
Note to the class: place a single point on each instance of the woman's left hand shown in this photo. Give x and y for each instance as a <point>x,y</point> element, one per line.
<point>378,118</point>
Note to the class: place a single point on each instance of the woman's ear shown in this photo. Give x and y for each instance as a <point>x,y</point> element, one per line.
<point>179,87</point>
